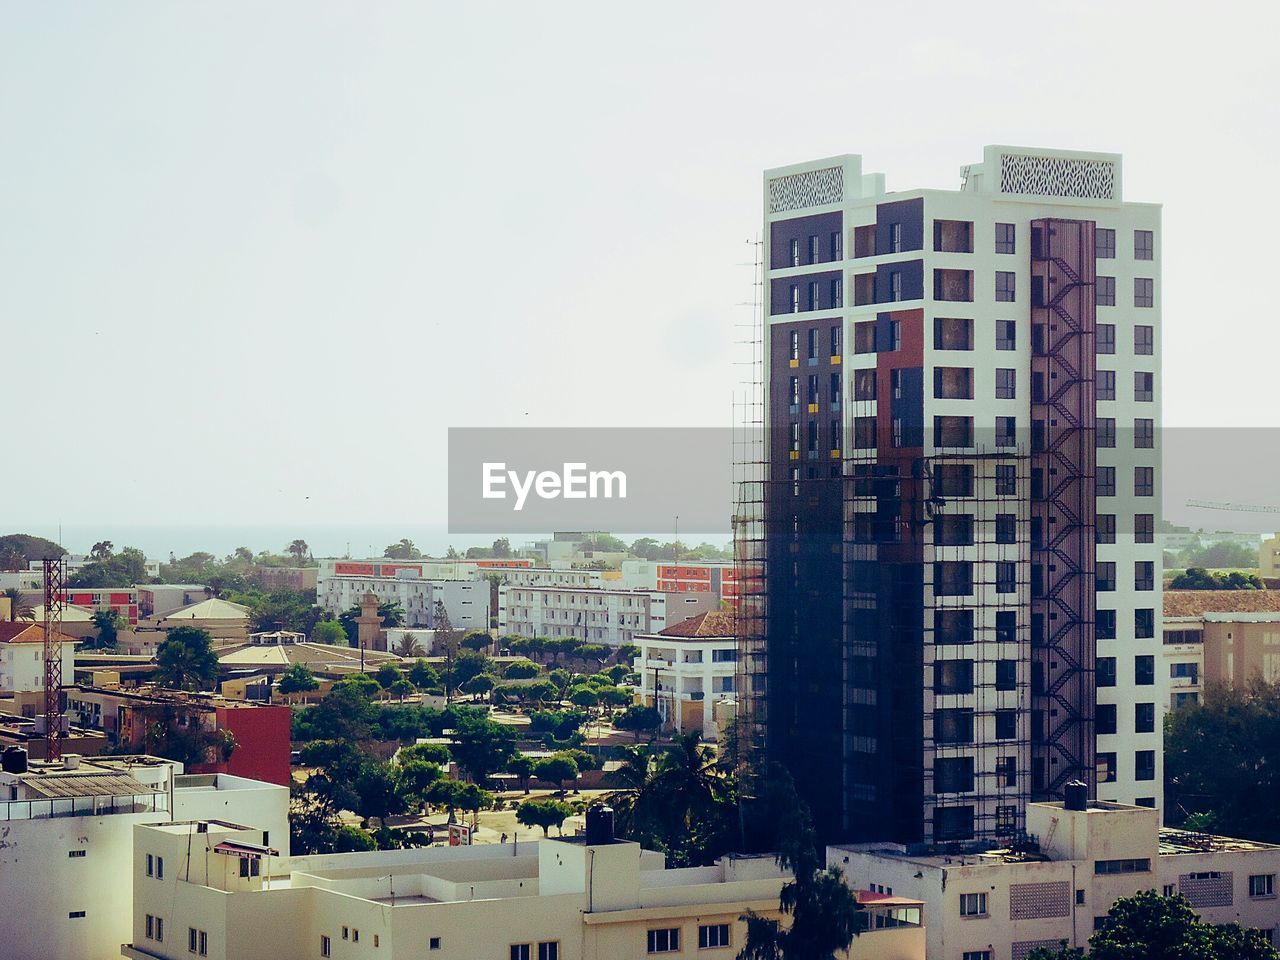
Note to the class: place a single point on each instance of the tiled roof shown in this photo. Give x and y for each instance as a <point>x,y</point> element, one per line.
<point>1194,603</point>
<point>24,631</point>
<point>710,624</point>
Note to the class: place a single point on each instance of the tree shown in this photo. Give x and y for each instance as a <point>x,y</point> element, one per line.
<point>402,688</point>
<point>479,685</point>
<point>415,778</point>
<point>456,795</point>
<point>1198,578</point>
<point>556,769</point>
<point>423,675</point>
<point>477,641</point>
<point>19,608</point>
<point>297,679</point>
<point>186,661</point>
<point>101,550</point>
<point>404,550</point>
<point>19,549</point>
<point>543,813</point>
<point>386,676</point>
<point>408,647</point>
<point>299,550</point>
<point>123,569</point>
<point>377,789</point>
<point>638,718</point>
<point>329,632</point>
<point>436,753</point>
<point>521,765</point>
<point>646,548</point>
<point>466,665</point>
<point>1224,753</point>
<point>481,746</point>
<point>584,697</point>
<point>1148,926</point>
<point>521,670</point>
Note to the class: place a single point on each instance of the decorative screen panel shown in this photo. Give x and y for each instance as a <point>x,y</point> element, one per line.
<point>1206,891</point>
<point>1057,176</point>
<point>811,189</point>
<point>1023,947</point>
<point>1035,901</point>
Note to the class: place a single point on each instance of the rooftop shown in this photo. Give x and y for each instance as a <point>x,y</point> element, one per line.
<point>705,626</point>
<point>211,609</point>
<point>20,631</point>
<point>1196,603</point>
<point>1173,842</point>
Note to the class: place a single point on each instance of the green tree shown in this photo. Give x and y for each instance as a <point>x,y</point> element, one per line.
<point>299,550</point>
<point>584,697</point>
<point>466,665</point>
<point>556,769</point>
<point>386,676</point>
<point>436,753</point>
<point>408,647</point>
<point>1148,926</point>
<point>647,548</point>
<point>477,641</point>
<point>455,795</point>
<point>521,765</point>
<point>123,569</point>
<point>185,660</point>
<point>479,686</point>
<point>378,792</point>
<point>19,549</point>
<point>1198,578</point>
<point>402,688</point>
<point>543,813</point>
<point>102,550</point>
<point>404,550</point>
<point>415,778</point>
<point>423,675</point>
<point>19,608</point>
<point>521,670</point>
<point>1223,753</point>
<point>481,746</point>
<point>330,632</point>
<point>638,718</point>
<point>297,679</point>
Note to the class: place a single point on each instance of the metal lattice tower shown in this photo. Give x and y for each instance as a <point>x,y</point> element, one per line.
<point>54,580</point>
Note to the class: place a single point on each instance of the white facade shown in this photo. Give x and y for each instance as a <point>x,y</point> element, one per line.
<point>22,665</point>
<point>612,617</point>
<point>686,677</point>
<point>466,601</point>
<point>1000,904</point>
<point>565,900</point>
<point>67,856</point>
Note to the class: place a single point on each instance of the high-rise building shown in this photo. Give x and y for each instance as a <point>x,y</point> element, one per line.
<point>960,573</point>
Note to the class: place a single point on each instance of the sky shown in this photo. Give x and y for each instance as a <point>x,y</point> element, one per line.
<point>256,258</point>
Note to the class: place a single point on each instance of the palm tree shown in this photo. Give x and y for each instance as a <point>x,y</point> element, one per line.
<point>408,647</point>
<point>299,550</point>
<point>186,661</point>
<point>19,608</point>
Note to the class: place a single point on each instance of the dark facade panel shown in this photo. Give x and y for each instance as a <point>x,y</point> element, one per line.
<point>780,291</point>
<point>802,229</point>
<point>910,283</point>
<point>908,217</point>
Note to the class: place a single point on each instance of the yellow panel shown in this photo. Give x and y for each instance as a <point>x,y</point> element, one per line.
<point>813,408</point>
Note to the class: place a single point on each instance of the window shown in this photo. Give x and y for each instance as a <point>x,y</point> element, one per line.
<point>837,252</point>
<point>952,333</point>
<point>834,389</point>
<point>1005,238</point>
<point>1144,765</point>
<point>952,676</point>
<point>151,865</point>
<point>953,530</point>
<point>864,337</point>
<point>74,854</point>
<point>155,928</point>
<point>249,867</point>
<point>1006,674</point>
<point>953,725</point>
<point>1006,480</point>
<point>1080,897</point>
<point>1106,432</point>
<point>1105,244</point>
<point>977,955</point>
<point>76,915</point>
<point>1007,771</point>
<point>1006,576</point>
<point>1006,626</point>
<point>895,238</point>
<point>1006,528</point>
<point>953,431</point>
<point>1105,718</point>
<point>1144,292</point>
<point>346,933</point>
<point>1262,885</point>
<point>1144,670</point>
<point>953,578</point>
<point>814,302</point>
<point>1006,724</point>
<point>953,383</point>
<point>895,285</point>
<point>1106,338</point>
<point>1143,386</point>
<point>666,940</point>
<point>1006,335</point>
<point>1144,528</point>
<point>864,433</point>
<point>795,344</point>
<point>1144,434</point>
<point>1006,383</point>
<point>953,236</point>
<point>1105,385</point>
<point>434,943</point>
<point>1143,245</point>
<point>1006,431</point>
<point>1105,576</point>
<point>1144,481</point>
<point>197,942</point>
<point>1106,625</point>
<point>812,342</point>
<point>326,947</point>
<point>1144,340</point>
<point>837,340</point>
<point>1005,286</point>
<point>713,935</point>
<point>795,298</point>
<point>953,626</point>
<point>953,823</point>
<point>1106,672</point>
<point>1106,867</point>
<point>973,904</point>
<point>864,384</point>
<point>1105,766</point>
<point>1144,623</point>
<point>549,950</point>
<point>1105,528</point>
<point>521,951</point>
<point>1106,482</point>
<point>953,480</point>
<point>1105,292</point>
<point>1144,718</point>
<point>795,252</point>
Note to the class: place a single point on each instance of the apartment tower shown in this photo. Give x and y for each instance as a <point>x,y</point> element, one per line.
<point>961,485</point>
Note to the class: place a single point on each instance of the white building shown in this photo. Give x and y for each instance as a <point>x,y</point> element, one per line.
<point>465,601</point>
<point>687,669</point>
<point>225,895</point>
<point>604,615</point>
<point>22,657</point>
<point>1001,904</point>
<point>66,862</point>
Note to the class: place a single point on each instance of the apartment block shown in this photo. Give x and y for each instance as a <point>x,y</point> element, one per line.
<point>595,615</point>
<point>466,601</point>
<point>962,488</point>
<point>1079,857</point>
<point>688,672</point>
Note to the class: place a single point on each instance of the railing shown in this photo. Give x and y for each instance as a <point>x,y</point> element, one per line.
<point>82,806</point>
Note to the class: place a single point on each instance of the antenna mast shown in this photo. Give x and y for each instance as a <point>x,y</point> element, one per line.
<point>54,577</point>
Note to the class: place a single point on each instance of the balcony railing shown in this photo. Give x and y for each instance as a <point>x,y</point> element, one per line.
<point>82,806</point>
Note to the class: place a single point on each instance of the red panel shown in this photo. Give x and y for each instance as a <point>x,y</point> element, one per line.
<point>262,742</point>
<point>120,598</point>
<point>353,569</point>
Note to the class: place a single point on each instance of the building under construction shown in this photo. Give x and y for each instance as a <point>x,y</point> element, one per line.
<point>928,545</point>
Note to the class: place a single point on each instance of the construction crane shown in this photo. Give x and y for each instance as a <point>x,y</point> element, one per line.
<point>1235,507</point>
<point>55,573</point>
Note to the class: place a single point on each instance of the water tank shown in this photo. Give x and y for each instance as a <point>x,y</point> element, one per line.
<point>71,761</point>
<point>14,760</point>
<point>1075,796</point>
<point>599,825</point>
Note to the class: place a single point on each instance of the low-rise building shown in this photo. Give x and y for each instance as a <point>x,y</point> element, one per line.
<point>686,576</point>
<point>22,656</point>
<point>686,669</point>
<point>1219,636</point>
<point>221,619</point>
<point>158,599</point>
<point>608,616</point>
<point>275,652</point>
<point>66,863</point>
<point>465,601</point>
<point>1269,558</point>
<point>227,895</point>
<point>1078,858</point>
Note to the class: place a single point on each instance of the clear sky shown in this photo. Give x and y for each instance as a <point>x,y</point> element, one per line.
<point>256,257</point>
